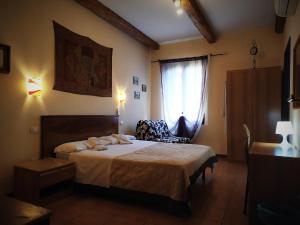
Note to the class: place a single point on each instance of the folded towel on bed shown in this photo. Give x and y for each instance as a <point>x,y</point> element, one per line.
<point>114,139</point>
<point>122,139</point>
<point>92,142</point>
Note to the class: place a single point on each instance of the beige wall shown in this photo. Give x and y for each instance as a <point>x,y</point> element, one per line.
<point>27,27</point>
<point>236,45</point>
<point>292,29</point>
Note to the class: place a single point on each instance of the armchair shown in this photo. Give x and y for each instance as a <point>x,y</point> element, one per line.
<point>157,130</point>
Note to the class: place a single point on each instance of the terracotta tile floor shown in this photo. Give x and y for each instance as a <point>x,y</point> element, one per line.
<point>217,202</point>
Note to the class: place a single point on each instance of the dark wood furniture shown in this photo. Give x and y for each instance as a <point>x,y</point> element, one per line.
<point>56,130</point>
<point>42,180</point>
<point>247,146</point>
<point>274,176</point>
<point>15,212</point>
<point>295,98</point>
<point>251,99</point>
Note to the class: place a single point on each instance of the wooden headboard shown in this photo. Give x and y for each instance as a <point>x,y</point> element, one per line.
<point>56,130</point>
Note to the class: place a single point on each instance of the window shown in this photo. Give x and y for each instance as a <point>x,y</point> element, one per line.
<point>184,92</point>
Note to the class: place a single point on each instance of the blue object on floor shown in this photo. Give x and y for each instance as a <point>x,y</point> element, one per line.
<point>278,214</point>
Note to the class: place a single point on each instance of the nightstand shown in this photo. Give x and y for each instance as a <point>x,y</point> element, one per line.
<point>41,181</point>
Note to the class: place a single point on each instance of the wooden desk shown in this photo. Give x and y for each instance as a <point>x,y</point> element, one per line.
<point>274,176</point>
<point>15,212</point>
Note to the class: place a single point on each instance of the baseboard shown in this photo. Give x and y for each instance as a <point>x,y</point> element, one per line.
<point>222,156</point>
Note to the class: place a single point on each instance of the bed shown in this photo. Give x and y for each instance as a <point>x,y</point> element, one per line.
<point>154,169</point>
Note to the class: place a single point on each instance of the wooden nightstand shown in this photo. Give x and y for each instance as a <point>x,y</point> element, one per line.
<point>42,180</point>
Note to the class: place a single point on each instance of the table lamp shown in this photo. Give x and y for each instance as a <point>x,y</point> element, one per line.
<point>284,128</point>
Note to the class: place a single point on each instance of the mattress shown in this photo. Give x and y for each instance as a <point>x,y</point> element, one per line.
<point>93,167</point>
<point>166,166</point>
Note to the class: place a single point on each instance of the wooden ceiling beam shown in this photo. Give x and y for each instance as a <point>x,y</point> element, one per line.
<point>114,19</point>
<point>279,24</point>
<point>195,13</point>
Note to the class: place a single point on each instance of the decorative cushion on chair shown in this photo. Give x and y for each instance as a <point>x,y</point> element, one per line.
<point>157,130</point>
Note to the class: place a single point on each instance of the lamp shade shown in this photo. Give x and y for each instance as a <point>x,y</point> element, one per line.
<point>34,86</point>
<point>284,127</point>
<point>122,97</point>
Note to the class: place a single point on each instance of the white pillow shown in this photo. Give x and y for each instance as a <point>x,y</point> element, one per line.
<point>71,147</point>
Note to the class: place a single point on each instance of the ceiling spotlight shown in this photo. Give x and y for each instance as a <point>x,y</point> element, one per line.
<point>179,11</point>
<point>176,3</point>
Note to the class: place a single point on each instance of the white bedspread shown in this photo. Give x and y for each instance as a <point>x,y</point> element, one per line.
<point>93,167</point>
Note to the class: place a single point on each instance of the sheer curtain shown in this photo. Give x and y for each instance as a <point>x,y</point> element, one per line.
<point>184,95</point>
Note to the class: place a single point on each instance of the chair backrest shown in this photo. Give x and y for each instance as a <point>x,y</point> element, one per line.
<point>247,141</point>
<point>152,129</point>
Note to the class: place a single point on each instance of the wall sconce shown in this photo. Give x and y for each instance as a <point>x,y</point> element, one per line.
<point>121,97</point>
<point>34,87</point>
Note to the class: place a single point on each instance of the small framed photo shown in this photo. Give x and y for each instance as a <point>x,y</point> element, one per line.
<point>135,80</point>
<point>4,58</point>
<point>137,95</point>
<point>144,88</point>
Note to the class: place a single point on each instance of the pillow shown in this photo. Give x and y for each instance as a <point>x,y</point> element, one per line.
<point>122,139</point>
<point>71,147</point>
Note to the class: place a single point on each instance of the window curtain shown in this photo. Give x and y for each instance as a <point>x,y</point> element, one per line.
<point>184,95</point>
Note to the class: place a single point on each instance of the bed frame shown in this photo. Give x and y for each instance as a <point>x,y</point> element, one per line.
<point>56,130</point>
<point>59,129</point>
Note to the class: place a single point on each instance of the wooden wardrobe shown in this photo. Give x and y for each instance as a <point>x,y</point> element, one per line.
<point>253,97</point>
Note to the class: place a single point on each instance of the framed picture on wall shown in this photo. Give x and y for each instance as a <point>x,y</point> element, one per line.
<point>137,95</point>
<point>135,80</point>
<point>144,88</point>
<point>4,58</point>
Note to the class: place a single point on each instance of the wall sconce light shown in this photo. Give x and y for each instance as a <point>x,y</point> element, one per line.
<point>122,97</point>
<point>34,87</point>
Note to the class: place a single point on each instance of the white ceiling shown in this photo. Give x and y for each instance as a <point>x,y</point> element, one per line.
<point>158,18</point>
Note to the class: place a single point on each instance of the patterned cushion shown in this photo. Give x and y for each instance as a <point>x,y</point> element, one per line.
<point>157,130</point>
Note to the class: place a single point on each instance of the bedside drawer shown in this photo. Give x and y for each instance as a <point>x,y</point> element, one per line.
<point>56,176</point>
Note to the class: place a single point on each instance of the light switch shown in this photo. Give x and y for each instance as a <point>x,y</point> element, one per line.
<point>34,130</point>
<point>121,122</point>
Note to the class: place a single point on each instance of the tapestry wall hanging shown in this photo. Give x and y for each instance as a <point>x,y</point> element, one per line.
<point>81,65</point>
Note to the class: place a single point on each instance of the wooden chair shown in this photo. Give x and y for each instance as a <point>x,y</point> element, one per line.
<point>247,148</point>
